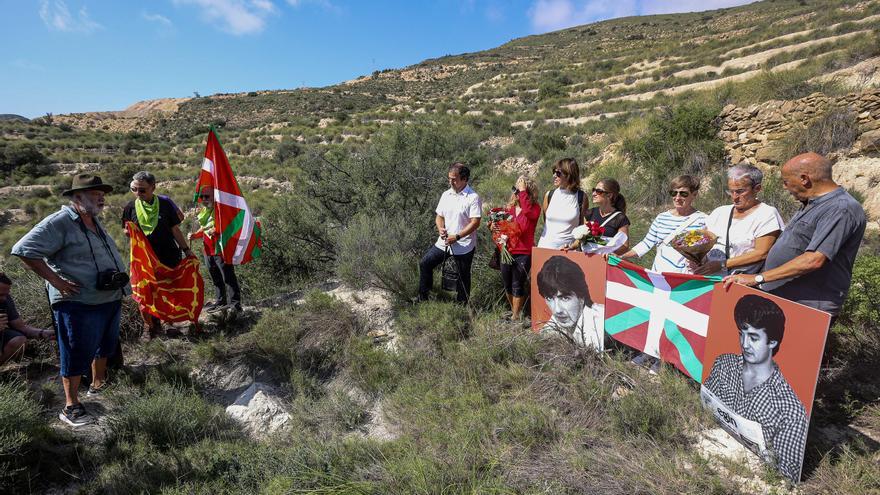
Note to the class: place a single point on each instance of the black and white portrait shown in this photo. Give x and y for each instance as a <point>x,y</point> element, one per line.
<point>562,284</point>
<point>751,389</point>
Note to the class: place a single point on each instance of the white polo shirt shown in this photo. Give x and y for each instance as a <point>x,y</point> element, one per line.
<point>457,209</point>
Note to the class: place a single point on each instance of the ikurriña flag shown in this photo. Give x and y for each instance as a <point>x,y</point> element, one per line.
<point>170,294</point>
<point>238,237</point>
<point>665,315</point>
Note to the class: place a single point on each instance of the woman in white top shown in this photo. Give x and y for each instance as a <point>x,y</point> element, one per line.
<point>746,229</point>
<point>682,217</point>
<point>564,207</point>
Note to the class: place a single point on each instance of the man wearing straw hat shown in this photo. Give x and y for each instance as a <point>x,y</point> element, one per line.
<point>86,281</point>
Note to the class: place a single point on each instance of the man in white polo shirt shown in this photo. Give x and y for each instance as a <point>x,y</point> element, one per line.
<point>458,217</point>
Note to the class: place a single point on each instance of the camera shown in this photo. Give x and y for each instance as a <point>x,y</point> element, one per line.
<point>111,280</point>
<point>513,189</point>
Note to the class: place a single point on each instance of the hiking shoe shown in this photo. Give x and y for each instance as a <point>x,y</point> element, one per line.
<point>98,390</point>
<point>75,415</point>
<point>215,308</point>
<point>212,304</point>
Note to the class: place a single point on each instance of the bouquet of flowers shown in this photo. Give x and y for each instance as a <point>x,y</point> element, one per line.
<point>694,244</point>
<point>504,229</point>
<point>591,240</point>
<point>590,232</point>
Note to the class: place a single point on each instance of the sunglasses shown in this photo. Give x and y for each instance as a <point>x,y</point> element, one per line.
<point>138,189</point>
<point>683,194</point>
<point>204,196</point>
<point>599,191</point>
<point>558,173</point>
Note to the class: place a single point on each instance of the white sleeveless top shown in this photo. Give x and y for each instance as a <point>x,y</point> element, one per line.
<point>561,217</point>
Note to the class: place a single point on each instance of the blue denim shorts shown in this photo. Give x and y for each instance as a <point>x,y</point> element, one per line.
<point>85,332</point>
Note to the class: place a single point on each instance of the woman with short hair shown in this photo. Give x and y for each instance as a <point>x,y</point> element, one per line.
<point>564,207</point>
<point>680,218</point>
<point>746,229</point>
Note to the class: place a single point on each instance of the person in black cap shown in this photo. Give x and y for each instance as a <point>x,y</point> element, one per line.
<point>86,280</point>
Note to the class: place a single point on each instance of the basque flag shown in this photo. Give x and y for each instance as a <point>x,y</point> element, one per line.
<point>665,315</point>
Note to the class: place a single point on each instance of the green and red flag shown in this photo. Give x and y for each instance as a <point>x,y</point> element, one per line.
<point>170,294</point>
<point>665,315</point>
<point>238,234</point>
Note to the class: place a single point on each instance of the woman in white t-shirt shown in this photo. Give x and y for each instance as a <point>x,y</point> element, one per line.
<point>564,207</point>
<point>746,229</point>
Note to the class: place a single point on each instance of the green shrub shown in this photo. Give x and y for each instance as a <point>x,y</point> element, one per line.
<point>381,250</point>
<point>679,140</point>
<point>836,129</point>
<point>167,416</point>
<point>311,337</point>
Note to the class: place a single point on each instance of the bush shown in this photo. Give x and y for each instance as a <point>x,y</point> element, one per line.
<point>167,416</point>
<point>679,140</point>
<point>382,250</point>
<point>311,337</point>
<point>836,129</point>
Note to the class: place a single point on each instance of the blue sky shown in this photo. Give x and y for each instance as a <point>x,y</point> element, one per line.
<point>65,56</point>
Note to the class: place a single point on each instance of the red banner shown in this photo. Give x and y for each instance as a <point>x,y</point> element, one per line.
<point>170,294</point>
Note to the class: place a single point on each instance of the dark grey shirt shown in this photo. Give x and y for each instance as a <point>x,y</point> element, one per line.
<point>832,224</point>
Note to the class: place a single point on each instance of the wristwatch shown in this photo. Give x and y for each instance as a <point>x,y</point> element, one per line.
<point>759,278</point>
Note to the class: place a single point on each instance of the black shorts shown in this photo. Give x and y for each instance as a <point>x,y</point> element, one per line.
<point>516,276</point>
<point>7,335</point>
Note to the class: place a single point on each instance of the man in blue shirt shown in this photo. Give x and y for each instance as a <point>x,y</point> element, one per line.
<point>86,281</point>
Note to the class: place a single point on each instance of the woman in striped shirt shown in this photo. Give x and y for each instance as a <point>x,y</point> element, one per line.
<point>681,217</point>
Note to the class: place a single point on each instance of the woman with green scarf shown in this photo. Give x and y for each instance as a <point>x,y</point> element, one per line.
<point>159,218</point>
<point>222,274</point>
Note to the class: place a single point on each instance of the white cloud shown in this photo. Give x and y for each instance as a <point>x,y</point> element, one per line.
<point>57,17</point>
<point>551,15</point>
<point>157,18</point>
<point>236,17</point>
<point>324,4</point>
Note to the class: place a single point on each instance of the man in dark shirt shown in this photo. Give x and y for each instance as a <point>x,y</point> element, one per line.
<point>159,218</point>
<point>14,332</point>
<point>812,261</point>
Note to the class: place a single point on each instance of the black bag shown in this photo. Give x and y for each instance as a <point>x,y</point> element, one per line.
<point>449,272</point>
<point>495,260</point>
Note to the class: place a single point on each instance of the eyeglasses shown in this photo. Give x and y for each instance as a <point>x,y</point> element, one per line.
<point>599,191</point>
<point>683,194</point>
<point>138,189</point>
<point>558,173</point>
<point>737,192</point>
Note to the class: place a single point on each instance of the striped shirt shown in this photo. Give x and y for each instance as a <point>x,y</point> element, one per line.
<point>668,259</point>
<point>773,404</point>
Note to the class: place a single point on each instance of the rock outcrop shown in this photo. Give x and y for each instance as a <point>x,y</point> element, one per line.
<point>259,410</point>
<point>749,132</point>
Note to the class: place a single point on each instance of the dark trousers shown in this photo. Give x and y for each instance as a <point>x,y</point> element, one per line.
<point>432,259</point>
<point>223,275</point>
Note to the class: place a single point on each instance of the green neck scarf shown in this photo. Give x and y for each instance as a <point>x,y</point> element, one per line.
<point>206,218</point>
<point>147,214</point>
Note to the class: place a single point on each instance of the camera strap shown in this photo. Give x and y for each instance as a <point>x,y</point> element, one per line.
<point>103,238</point>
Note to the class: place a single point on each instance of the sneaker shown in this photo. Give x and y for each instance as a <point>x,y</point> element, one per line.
<point>215,308</point>
<point>75,415</point>
<point>97,390</point>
